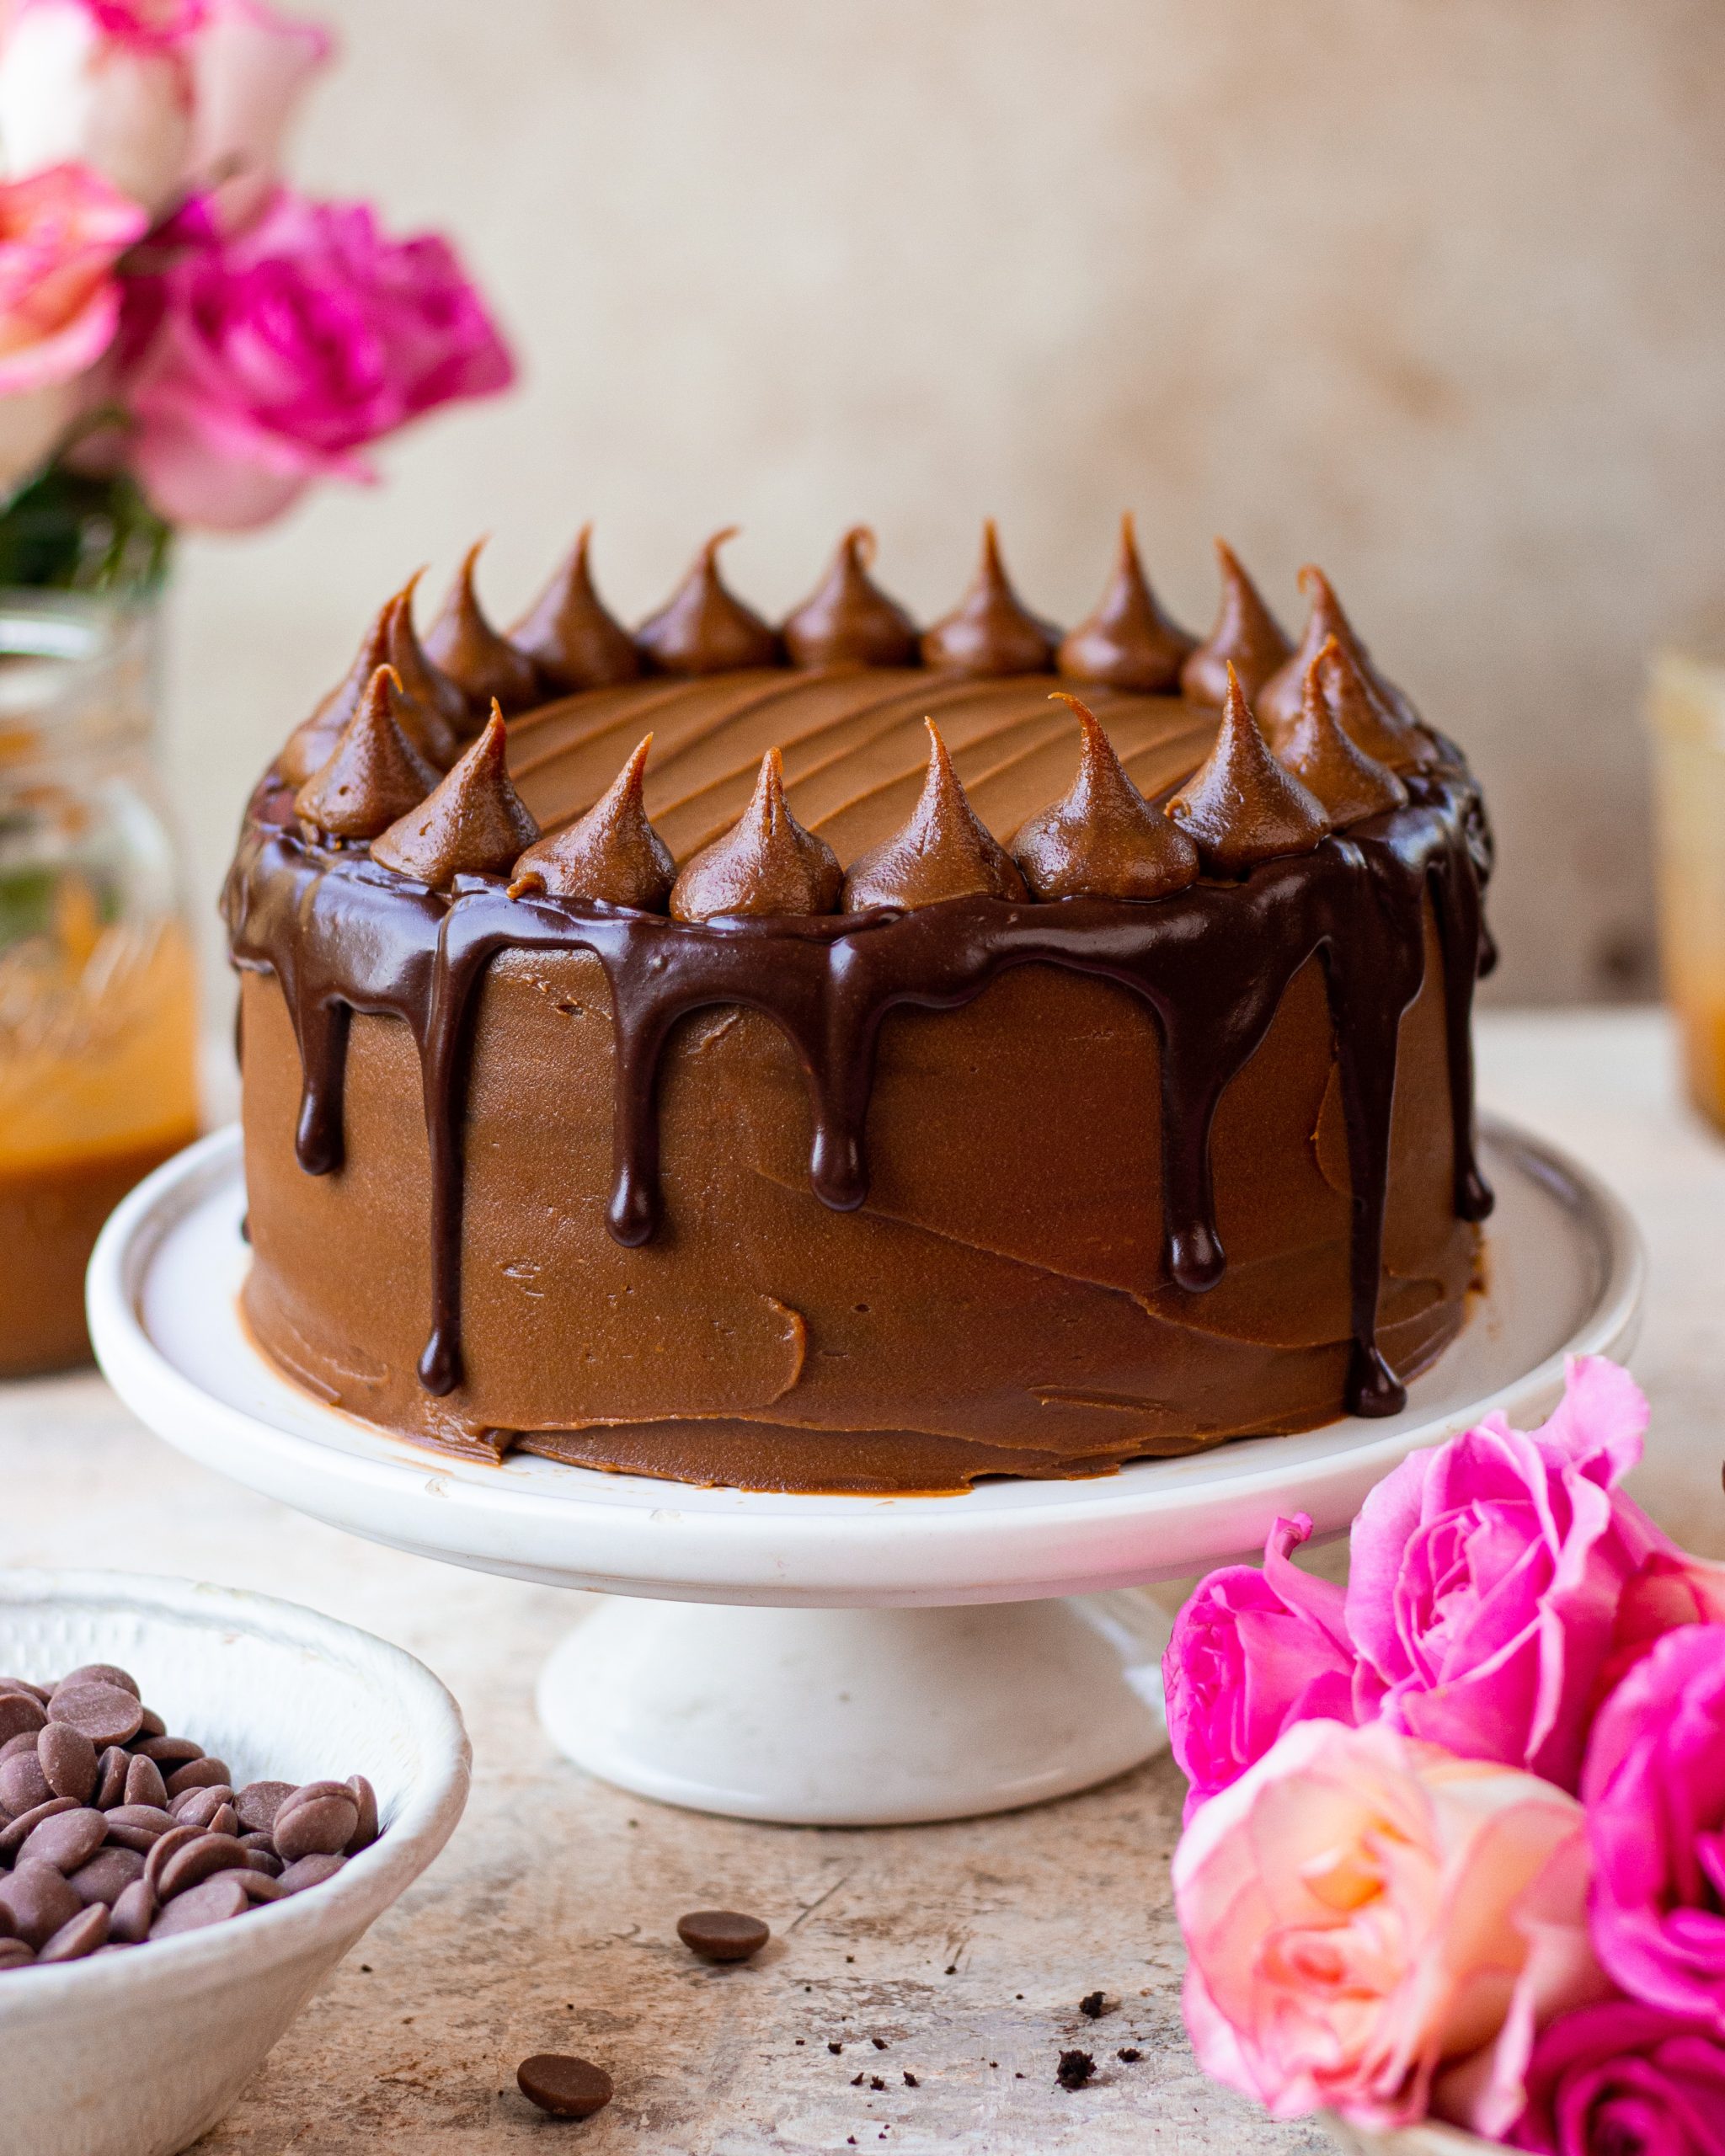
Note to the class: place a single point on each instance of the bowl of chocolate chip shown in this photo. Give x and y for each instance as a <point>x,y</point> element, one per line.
<point>206,1797</point>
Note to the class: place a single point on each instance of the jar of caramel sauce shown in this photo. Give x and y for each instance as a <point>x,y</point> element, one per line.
<point>97,998</point>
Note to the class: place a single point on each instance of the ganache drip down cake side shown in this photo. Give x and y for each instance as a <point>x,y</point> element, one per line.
<point>845,1056</point>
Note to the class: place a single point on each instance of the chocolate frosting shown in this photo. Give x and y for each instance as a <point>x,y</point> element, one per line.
<point>569,635</point>
<point>375,775</point>
<point>991,630</point>
<point>766,863</point>
<point>1103,838</point>
<point>1282,696</point>
<point>1128,642</point>
<point>473,824</point>
<point>486,668</point>
<point>452,722</point>
<point>1374,728</point>
<point>1240,807</point>
<point>312,744</point>
<point>704,628</point>
<point>1350,784</point>
<point>849,621</point>
<point>942,853</point>
<point>1247,637</point>
<point>611,856</point>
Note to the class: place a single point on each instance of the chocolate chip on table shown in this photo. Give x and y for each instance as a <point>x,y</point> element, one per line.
<point>1130,2055</point>
<point>566,2088</point>
<point>1093,2005</point>
<point>721,1935</point>
<point>1075,2070</point>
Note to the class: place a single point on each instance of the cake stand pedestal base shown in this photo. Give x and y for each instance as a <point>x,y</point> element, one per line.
<point>859,1717</point>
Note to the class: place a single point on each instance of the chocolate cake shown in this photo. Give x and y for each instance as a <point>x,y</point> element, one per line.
<point>835,1056</point>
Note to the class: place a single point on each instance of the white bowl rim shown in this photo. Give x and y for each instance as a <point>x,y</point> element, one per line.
<point>366,1884</point>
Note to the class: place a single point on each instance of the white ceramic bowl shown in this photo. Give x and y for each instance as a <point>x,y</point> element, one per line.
<point>1412,2140</point>
<point>136,2054</point>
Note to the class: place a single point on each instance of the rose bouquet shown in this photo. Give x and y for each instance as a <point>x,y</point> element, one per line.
<point>184,339</point>
<point>1454,1845</point>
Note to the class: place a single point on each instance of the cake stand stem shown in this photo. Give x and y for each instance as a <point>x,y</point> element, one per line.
<point>859,1717</point>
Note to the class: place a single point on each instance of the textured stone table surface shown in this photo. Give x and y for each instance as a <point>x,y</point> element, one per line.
<point>549,1922</point>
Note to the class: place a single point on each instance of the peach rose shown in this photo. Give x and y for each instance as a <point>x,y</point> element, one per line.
<point>1366,1912</point>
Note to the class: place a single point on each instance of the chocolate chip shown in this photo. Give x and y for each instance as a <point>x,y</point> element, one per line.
<point>25,1740</point>
<point>23,1684</point>
<point>911,2080</point>
<point>1130,2056</point>
<point>36,1899</point>
<point>13,1836</point>
<point>108,1875</point>
<point>68,1840</point>
<point>83,1934</point>
<point>151,1725</point>
<point>100,1672</point>
<point>104,1713</point>
<point>200,1859</point>
<point>136,1826</point>
<point>20,1714</point>
<point>367,1831</point>
<point>1093,2005</point>
<point>321,1826</point>
<point>214,1901</point>
<point>311,1871</point>
<point>168,1751</point>
<point>144,1784</point>
<point>199,1773</point>
<point>260,1885</point>
<point>69,1763</point>
<point>875,2081</point>
<point>23,1785</point>
<point>166,1846</point>
<point>200,1807</point>
<point>721,1935</point>
<point>129,1920</point>
<point>567,2088</point>
<point>878,2042</point>
<point>259,1803</point>
<point>14,1954</point>
<point>834,2049</point>
<point>111,1771</point>
<point>1075,2070</point>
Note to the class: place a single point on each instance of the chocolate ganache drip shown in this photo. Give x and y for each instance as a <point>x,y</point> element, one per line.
<point>312,744</point>
<point>850,620</point>
<point>1282,698</point>
<point>766,863</point>
<point>485,667</point>
<point>943,851</point>
<point>1103,840</point>
<point>1350,784</point>
<point>1129,643</point>
<point>704,628</point>
<point>990,632</point>
<point>567,633</point>
<point>374,775</point>
<point>1240,807</point>
<point>1246,637</point>
<point>447,722</point>
<point>472,825</point>
<point>1365,718</point>
<point>611,856</point>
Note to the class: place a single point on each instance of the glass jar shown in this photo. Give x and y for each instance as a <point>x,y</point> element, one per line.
<point>1687,709</point>
<point>97,997</point>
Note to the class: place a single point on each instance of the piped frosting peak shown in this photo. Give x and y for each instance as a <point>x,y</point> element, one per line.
<point>849,621</point>
<point>1103,838</point>
<point>766,863</point>
<point>1351,785</point>
<point>1282,696</point>
<point>612,854</point>
<point>375,773</point>
<point>449,721</point>
<point>1240,807</point>
<point>704,628</point>
<point>569,635</point>
<point>312,744</point>
<point>1373,728</point>
<point>1129,642</point>
<point>991,630</point>
<point>474,824</point>
<point>942,852</point>
<point>1246,637</point>
<point>486,667</point>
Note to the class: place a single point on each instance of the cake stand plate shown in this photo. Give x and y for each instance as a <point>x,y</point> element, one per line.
<point>837,1660</point>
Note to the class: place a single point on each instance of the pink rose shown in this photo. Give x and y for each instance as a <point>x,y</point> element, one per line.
<point>1669,1589</point>
<point>1623,2079</point>
<point>1487,1573</point>
<point>1364,1912</point>
<point>60,233</point>
<point>1654,1787</point>
<point>165,98</point>
<point>1253,1653</point>
<point>259,362</point>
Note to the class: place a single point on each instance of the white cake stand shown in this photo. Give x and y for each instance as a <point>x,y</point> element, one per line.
<point>835,1660</point>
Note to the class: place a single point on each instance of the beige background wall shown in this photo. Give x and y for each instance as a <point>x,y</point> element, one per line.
<point>1429,291</point>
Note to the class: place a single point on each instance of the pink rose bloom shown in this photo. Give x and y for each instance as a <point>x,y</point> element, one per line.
<point>164,97</point>
<point>1622,2079</point>
<point>60,233</point>
<point>1253,1653</point>
<point>1486,1574</point>
<point>258,363</point>
<point>1654,1787</point>
<point>1671,1588</point>
<point>1365,1913</point>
